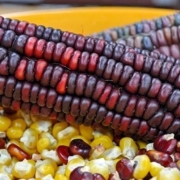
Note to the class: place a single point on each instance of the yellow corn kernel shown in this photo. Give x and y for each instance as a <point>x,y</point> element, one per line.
<point>99,166</point>
<point>128,147</point>
<point>68,132</point>
<point>81,137</point>
<point>48,135</point>
<point>169,174</point>
<point>30,138</point>
<point>6,176</point>
<point>155,168</point>
<point>14,133</point>
<point>142,166</point>
<point>41,126</point>
<point>111,153</point>
<point>23,169</point>
<point>141,144</point>
<point>61,170</point>
<point>60,177</point>
<point>59,127</point>
<point>29,151</point>
<point>27,118</point>
<point>104,140</point>
<point>86,131</point>
<point>96,151</point>
<point>75,125</point>
<point>5,157</point>
<point>20,123</point>
<point>43,143</point>
<point>44,169</point>
<point>5,123</point>
<point>102,131</point>
<point>63,142</point>
<point>72,164</point>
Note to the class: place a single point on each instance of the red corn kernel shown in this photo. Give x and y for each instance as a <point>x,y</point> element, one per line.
<point>73,64</point>
<point>49,50</point>
<point>162,158</point>
<point>58,51</point>
<point>103,98</point>
<point>63,153</point>
<point>139,62</point>
<point>30,45</point>
<point>176,156</point>
<point>125,169</point>
<point>69,118</point>
<point>165,143</point>
<point>17,152</point>
<point>15,105</point>
<point>20,71</point>
<point>61,86</point>
<point>39,48</point>
<point>67,56</point>
<point>21,27</point>
<point>39,69</point>
<point>79,147</point>
<point>93,61</point>
<point>30,30</point>
<point>141,151</point>
<point>2,143</point>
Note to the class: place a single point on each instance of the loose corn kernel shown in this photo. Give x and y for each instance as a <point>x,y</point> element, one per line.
<point>63,142</point>
<point>128,147</point>
<point>27,118</point>
<point>20,123</point>
<point>155,168</point>
<point>81,137</point>
<point>41,126</point>
<point>48,135</point>
<point>43,143</point>
<point>97,134</point>
<point>169,174</point>
<point>74,163</point>
<point>47,177</point>
<point>141,144</point>
<point>111,165</point>
<point>5,123</point>
<point>6,177</point>
<point>99,166</point>
<point>104,140</point>
<point>68,132</point>
<point>29,151</point>
<point>30,138</point>
<point>60,177</point>
<point>96,151</point>
<point>59,127</point>
<point>86,131</point>
<point>5,157</point>
<point>14,133</point>
<point>111,153</point>
<point>142,166</point>
<point>24,169</point>
<point>61,170</point>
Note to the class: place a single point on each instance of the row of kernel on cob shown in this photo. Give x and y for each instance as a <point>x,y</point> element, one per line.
<point>44,149</point>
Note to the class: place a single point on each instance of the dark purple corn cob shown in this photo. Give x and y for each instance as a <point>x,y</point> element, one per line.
<point>113,34</point>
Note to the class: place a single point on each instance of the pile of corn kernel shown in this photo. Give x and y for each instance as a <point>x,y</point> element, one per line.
<point>35,148</point>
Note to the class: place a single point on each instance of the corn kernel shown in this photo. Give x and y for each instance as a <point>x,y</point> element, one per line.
<point>81,137</point>
<point>141,144</point>
<point>63,142</point>
<point>169,174</point>
<point>68,132</point>
<point>142,166</point>
<point>5,157</point>
<point>14,133</point>
<point>4,176</point>
<point>5,123</point>
<point>99,166</point>
<point>111,153</point>
<point>47,177</point>
<point>29,151</point>
<point>26,118</point>
<point>60,177</point>
<point>59,127</point>
<point>155,168</point>
<point>30,138</point>
<point>53,141</point>
<point>41,126</point>
<point>24,169</point>
<point>43,143</point>
<point>96,151</point>
<point>20,123</point>
<point>72,164</point>
<point>86,131</point>
<point>61,169</point>
<point>128,147</point>
<point>104,140</point>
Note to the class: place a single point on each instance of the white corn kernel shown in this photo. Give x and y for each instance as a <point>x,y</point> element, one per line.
<point>47,177</point>
<point>5,157</point>
<point>111,153</point>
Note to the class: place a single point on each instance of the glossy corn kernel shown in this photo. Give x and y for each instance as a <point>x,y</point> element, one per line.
<point>41,126</point>
<point>24,169</point>
<point>30,138</point>
<point>112,153</point>
<point>43,143</point>
<point>169,174</point>
<point>59,127</point>
<point>128,147</point>
<point>102,132</point>
<point>27,118</point>
<point>4,176</point>
<point>60,177</point>
<point>96,151</point>
<point>155,168</point>
<point>20,123</point>
<point>73,163</point>
<point>99,166</point>
<point>86,131</point>
<point>47,177</point>
<point>5,123</point>
<point>52,140</point>
<point>81,137</point>
<point>141,144</point>
<point>63,142</point>
<point>142,166</point>
<point>5,157</point>
<point>68,132</point>
<point>14,133</point>
<point>104,140</point>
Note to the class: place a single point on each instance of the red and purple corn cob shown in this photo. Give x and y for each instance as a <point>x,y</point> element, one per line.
<point>89,81</point>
